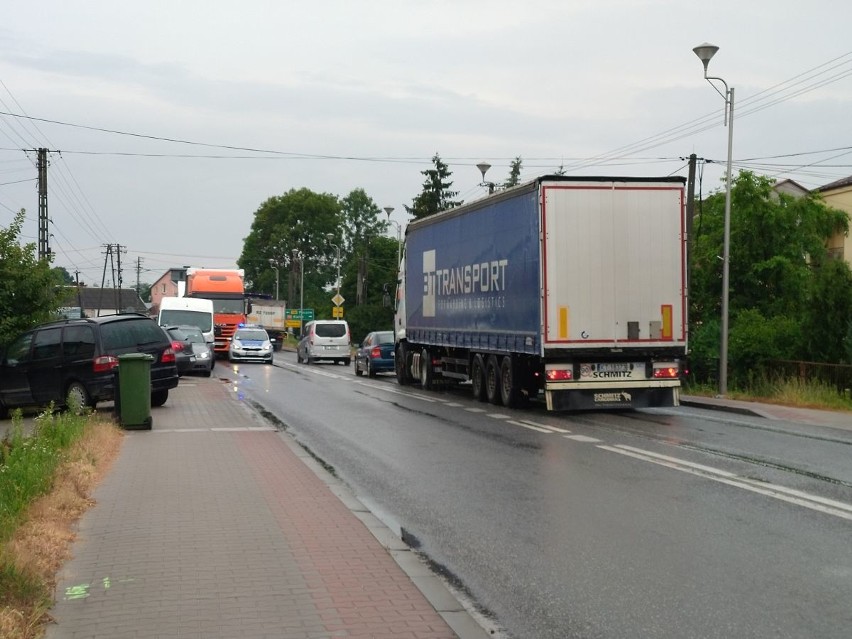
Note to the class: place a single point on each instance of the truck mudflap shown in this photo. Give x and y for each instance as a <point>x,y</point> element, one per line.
<point>612,398</point>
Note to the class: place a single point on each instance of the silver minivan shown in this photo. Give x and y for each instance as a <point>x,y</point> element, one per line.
<point>325,339</point>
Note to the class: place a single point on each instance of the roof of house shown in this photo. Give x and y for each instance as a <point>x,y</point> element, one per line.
<point>788,186</point>
<point>123,299</point>
<point>847,181</point>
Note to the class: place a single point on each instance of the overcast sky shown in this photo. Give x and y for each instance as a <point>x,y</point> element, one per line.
<point>339,94</point>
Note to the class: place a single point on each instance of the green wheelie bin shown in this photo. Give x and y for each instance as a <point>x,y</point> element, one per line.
<point>133,391</point>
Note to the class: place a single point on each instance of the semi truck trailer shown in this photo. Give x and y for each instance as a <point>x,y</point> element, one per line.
<point>570,289</point>
<point>270,315</point>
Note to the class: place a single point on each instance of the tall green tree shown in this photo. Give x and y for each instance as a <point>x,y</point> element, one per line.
<point>514,173</point>
<point>777,244</point>
<point>379,288</point>
<point>436,195</point>
<point>29,287</point>
<point>361,221</point>
<point>361,225</point>
<point>298,220</point>
<point>63,275</point>
<point>827,325</point>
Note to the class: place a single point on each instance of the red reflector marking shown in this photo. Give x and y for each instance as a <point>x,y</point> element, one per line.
<point>558,375</point>
<point>669,372</point>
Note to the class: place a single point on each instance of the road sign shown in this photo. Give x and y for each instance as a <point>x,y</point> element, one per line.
<point>338,299</point>
<point>299,314</point>
<point>337,312</point>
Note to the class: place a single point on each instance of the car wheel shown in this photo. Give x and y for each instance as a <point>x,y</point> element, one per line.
<point>358,370</point>
<point>159,397</point>
<point>77,398</point>
<point>370,370</point>
<point>347,361</point>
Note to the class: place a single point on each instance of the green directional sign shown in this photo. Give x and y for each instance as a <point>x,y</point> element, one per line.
<point>300,314</point>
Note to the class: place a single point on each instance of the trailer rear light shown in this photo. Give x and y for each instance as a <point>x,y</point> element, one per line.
<point>668,372</point>
<point>168,356</point>
<point>558,374</point>
<point>104,363</point>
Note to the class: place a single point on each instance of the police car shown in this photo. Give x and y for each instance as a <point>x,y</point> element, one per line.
<point>250,344</point>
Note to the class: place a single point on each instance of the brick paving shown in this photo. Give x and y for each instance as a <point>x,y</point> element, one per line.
<point>213,525</point>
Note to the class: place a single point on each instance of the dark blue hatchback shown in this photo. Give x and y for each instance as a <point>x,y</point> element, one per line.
<point>375,354</point>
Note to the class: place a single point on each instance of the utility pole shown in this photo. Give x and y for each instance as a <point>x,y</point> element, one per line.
<point>79,296</point>
<point>109,254</point>
<point>138,274</point>
<point>43,232</point>
<point>690,199</point>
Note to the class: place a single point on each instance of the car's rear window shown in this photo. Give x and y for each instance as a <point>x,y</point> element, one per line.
<point>329,330</point>
<point>131,333</point>
<point>385,337</point>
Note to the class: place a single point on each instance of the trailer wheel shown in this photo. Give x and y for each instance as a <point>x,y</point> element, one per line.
<point>509,391</point>
<point>492,380</point>
<point>477,378</point>
<point>400,364</point>
<point>427,373</point>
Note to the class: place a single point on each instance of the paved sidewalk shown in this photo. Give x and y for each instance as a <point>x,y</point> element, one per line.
<point>215,525</point>
<point>828,418</point>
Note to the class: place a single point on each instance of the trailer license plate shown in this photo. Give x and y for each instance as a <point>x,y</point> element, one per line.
<point>614,367</point>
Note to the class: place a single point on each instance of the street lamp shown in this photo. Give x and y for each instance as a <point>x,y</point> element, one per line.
<point>330,237</point>
<point>298,255</point>
<point>389,210</point>
<point>483,168</point>
<point>705,52</point>
<point>274,266</point>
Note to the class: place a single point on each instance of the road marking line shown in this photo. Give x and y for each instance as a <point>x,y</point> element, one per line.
<point>530,426</point>
<point>554,429</point>
<point>782,493</point>
<point>475,410</point>
<point>498,415</point>
<point>582,438</point>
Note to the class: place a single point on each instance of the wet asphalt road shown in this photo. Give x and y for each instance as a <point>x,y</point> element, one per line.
<point>670,523</point>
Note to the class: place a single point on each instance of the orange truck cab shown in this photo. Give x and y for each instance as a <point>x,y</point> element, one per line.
<point>225,288</point>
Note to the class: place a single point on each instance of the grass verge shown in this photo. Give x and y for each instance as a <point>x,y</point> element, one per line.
<point>788,392</point>
<point>46,481</point>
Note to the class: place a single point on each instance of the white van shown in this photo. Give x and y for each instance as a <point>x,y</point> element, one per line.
<point>325,339</point>
<point>192,311</point>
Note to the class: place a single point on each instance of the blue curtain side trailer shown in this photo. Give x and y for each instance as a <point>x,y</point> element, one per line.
<point>570,287</point>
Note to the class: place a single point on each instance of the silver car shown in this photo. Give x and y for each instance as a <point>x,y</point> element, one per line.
<point>204,358</point>
<point>250,344</point>
<point>325,339</point>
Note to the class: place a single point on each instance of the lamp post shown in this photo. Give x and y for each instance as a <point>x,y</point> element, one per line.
<point>274,266</point>
<point>330,238</point>
<point>705,52</point>
<point>483,168</point>
<point>389,210</point>
<point>298,255</point>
